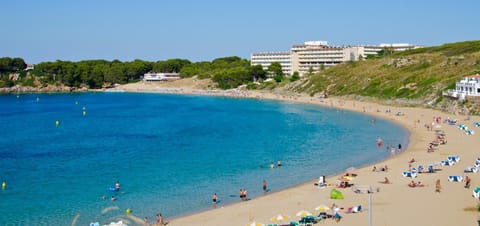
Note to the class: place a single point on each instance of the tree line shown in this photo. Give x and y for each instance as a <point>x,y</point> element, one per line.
<point>227,72</point>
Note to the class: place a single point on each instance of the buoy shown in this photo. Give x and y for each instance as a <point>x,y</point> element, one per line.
<point>76,102</point>
<point>57,123</point>
<point>38,99</point>
<point>83,108</point>
<point>4,185</point>
<point>84,113</point>
<point>18,96</point>
<point>128,211</point>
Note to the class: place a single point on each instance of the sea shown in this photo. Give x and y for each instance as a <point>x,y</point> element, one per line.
<point>60,154</point>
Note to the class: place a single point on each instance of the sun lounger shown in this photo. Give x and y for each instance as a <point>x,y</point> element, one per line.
<point>455,178</point>
<point>409,174</point>
<point>476,192</point>
<point>447,163</point>
<point>453,158</point>
<point>470,169</point>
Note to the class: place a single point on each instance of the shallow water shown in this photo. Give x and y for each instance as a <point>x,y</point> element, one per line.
<point>170,152</point>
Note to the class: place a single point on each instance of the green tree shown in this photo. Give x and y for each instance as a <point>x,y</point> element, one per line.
<point>257,72</point>
<point>295,77</point>
<point>310,70</point>
<point>275,68</point>
<point>172,65</point>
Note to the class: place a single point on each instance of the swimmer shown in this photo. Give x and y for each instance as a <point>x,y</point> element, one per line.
<point>113,198</point>
<point>117,186</point>
<point>279,163</point>
<point>272,165</point>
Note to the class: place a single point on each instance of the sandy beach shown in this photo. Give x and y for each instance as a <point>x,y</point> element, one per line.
<point>392,204</point>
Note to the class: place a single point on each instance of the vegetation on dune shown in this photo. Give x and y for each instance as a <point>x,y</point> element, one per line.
<point>415,74</point>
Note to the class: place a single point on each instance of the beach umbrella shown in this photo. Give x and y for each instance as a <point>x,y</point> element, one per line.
<point>303,213</point>
<point>322,208</point>
<point>255,224</point>
<point>279,217</point>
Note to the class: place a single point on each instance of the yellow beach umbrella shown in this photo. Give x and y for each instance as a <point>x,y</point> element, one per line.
<point>303,213</point>
<point>322,208</point>
<point>279,217</point>
<point>255,224</point>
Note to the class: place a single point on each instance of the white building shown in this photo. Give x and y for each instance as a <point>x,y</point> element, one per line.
<point>467,87</point>
<point>152,77</point>
<point>312,55</point>
<point>267,58</point>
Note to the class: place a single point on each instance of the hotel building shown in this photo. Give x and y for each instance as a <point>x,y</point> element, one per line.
<point>313,55</point>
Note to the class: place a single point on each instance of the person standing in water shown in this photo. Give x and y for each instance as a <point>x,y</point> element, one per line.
<point>264,185</point>
<point>117,186</point>
<point>379,142</point>
<point>214,200</point>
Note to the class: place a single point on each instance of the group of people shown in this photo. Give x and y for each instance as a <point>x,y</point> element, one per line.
<point>382,169</point>
<point>243,194</point>
<point>159,222</point>
<point>412,184</point>
<point>272,165</point>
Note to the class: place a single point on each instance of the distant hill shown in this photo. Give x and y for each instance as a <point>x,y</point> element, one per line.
<point>417,76</point>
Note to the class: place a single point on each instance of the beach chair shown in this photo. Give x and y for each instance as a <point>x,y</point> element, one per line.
<point>307,221</point>
<point>409,174</point>
<point>470,169</point>
<point>476,192</point>
<point>455,178</point>
<point>477,163</point>
<point>453,158</point>
<point>447,163</point>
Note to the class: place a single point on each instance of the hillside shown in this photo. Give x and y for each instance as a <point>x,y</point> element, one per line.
<point>416,76</point>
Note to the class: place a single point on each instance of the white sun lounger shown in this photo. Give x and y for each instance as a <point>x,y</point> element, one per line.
<point>455,178</point>
<point>409,174</point>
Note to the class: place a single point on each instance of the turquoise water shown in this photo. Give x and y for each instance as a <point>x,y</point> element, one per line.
<point>169,152</point>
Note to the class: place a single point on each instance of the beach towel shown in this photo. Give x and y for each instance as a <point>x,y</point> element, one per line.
<point>409,174</point>
<point>455,178</point>
<point>453,158</point>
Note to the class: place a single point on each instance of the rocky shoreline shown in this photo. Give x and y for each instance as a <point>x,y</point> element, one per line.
<point>44,89</point>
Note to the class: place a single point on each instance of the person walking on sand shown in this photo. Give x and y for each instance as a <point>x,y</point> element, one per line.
<point>214,200</point>
<point>467,182</point>
<point>438,187</point>
<point>160,220</point>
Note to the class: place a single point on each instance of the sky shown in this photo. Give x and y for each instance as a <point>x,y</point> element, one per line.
<point>202,30</point>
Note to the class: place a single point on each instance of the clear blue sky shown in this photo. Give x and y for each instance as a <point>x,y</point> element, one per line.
<point>200,30</point>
